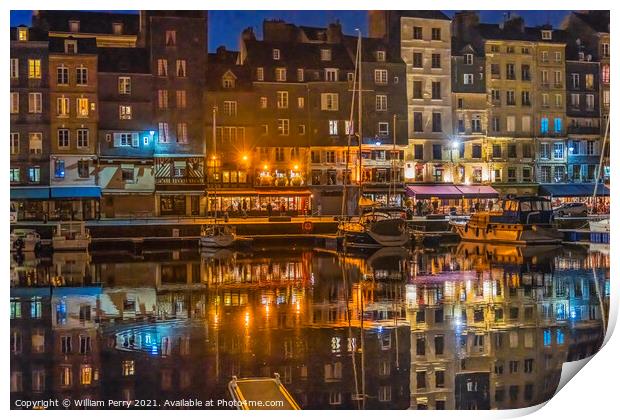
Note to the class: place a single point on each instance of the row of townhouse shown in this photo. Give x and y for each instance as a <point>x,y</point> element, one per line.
<point>502,104</point>
<point>116,115</point>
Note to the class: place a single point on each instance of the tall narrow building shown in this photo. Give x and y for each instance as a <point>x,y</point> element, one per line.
<point>424,41</point>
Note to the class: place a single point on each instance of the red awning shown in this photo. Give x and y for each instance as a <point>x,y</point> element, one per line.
<point>478,191</point>
<point>429,191</point>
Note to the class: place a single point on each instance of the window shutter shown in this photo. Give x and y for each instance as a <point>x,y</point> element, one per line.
<point>134,139</point>
<point>117,139</point>
<point>323,101</point>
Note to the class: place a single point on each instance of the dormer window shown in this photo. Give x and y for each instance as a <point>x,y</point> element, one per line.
<point>70,46</point>
<point>469,59</point>
<point>22,34</point>
<point>546,34</point>
<point>117,28</point>
<point>326,54</point>
<point>275,53</point>
<point>582,56</point>
<point>74,26</point>
<point>228,82</point>
<point>380,55</point>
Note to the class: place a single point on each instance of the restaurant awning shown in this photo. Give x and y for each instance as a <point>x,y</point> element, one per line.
<point>428,191</point>
<point>30,193</point>
<point>478,191</point>
<point>573,190</point>
<point>76,192</point>
<point>240,193</point>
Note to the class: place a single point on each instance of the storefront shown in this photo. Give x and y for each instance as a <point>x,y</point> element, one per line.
<point>385,195</point>
<point>583,193</point>
<point>180,204</point>
<point>258,202</point>
<point>74,203</point>
<point>30,203</point>
<point>443,199</point>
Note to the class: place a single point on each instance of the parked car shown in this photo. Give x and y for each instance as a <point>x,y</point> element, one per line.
<point>571,209</point>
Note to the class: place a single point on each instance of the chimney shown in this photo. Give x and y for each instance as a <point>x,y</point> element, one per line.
<point>463,24</point>
<point>248,34</point>
<point>514,23</point>
<point>334,33</point>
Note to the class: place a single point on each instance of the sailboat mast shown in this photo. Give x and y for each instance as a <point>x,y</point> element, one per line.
<point>214,159</point>
<point>359,107</point>
<point>349,134</point>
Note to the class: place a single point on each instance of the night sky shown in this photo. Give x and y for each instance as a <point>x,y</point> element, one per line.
<point>226,26</point>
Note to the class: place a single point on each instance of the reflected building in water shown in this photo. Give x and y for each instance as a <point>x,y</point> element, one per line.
<point>469,328</point>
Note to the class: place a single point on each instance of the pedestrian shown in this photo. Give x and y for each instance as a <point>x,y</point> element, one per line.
<point>418,206</point>
<point>269,209</point>
<point>282,209</point>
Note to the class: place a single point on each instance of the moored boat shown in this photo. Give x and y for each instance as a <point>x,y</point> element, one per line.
<point>521,221</point>
<point>217,236</point>
<point>375,230</point>
<point>71,236</point>
<point>25,240</point>
<point>599,226</point>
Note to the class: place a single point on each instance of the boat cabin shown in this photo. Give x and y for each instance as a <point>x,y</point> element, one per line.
<point>525,210</point>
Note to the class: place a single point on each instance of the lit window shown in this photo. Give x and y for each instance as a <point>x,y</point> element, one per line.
<point>230,108</point>
<point>282,99</point>
<point>329,101</point>
<point>124,85</point>
<point>14,143</point>
<point>182,133</point>
<point>74,25</point>
<point>181,99</point>
<point>260,74</point>
<point>283,127</point>
<point>34,68</point>
<point>128,367</point>
<point>164,135</point>
<point>544,125</point>
<point>124,112</point>
<point>14,102</point>
<point>326,54</point>
<point>275,54</point>
<point>171,38</point>
<point>117,28</point>
<point>162,67</point>
<point>181,68</point>
<point>82,107</point>
<point>62,106</point>
<point>59,168</point>
<point>333,127</point>
<point>35,143</point>
<point>86,375</point>
<point>22,34</point>
<point>281,74</point>
<point>380,55</point>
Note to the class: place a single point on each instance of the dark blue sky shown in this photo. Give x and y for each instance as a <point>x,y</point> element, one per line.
<point>226,26</point>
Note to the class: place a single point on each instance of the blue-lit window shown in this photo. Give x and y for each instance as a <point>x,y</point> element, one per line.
<point>61,313</point>
<point>559,337</point>
<point>35,308</point>
<point>557,125</point>
<point>560,311</point>
<point>59,169</point>
<point>544,125</point>
<point>547,337</point>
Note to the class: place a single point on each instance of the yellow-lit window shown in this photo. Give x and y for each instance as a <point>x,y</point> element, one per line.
<point>34,68</point>
<point>82,107</point>
<point>128,367</point>
<point>86,375</point>
<point>22,34</point>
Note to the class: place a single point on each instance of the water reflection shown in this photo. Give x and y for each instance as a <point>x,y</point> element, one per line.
<point>471,327</point>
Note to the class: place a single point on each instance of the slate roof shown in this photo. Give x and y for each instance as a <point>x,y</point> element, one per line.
<point>597,20</point>
<point>509,33</point>
<point>90,22</point>
<point>124,60</point>
<point>370,46</point>
<point>85,45</point>
<point>424,14</point>
<point>296,54</point>
<point>34,34</point>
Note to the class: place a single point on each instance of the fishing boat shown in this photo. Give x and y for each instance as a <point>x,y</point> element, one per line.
<point>217,236</point>
<point>25,240</point>
<point>375,229</point>
<point>71,236</point>
<point>521,221</point>
<point>602,224</point>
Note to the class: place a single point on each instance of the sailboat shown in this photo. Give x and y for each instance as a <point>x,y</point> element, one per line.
<point>214,235</point>
<point>372,229</point>
<point>601,225</point>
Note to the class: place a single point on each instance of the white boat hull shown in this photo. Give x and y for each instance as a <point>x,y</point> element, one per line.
<point>62,244</point>
<point>218,241</point>
<point>599,226</point>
